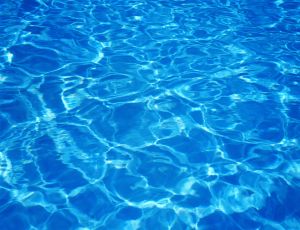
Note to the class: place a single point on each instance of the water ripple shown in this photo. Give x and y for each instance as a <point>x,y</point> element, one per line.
<point>149,114</point>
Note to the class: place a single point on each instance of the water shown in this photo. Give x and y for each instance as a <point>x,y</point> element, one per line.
<point>167,114</point>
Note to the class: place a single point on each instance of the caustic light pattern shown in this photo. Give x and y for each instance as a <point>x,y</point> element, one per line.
<point>149,114</point>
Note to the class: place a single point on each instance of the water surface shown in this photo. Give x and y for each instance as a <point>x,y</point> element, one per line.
<point>166,114</point>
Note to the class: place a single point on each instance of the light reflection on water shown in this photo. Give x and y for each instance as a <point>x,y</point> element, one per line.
<point>149,114</point>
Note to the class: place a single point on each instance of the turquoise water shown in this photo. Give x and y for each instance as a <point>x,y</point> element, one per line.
<point>178,114</point>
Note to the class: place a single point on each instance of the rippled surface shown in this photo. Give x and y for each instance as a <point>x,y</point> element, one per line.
<point>167,114</point>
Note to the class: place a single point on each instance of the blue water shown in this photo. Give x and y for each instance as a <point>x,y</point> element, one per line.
<point>154,114</point>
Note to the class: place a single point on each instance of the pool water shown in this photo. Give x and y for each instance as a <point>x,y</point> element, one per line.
<point>153,114</point>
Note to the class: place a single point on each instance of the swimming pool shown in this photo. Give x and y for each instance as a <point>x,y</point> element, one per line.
<point>166,114</point>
